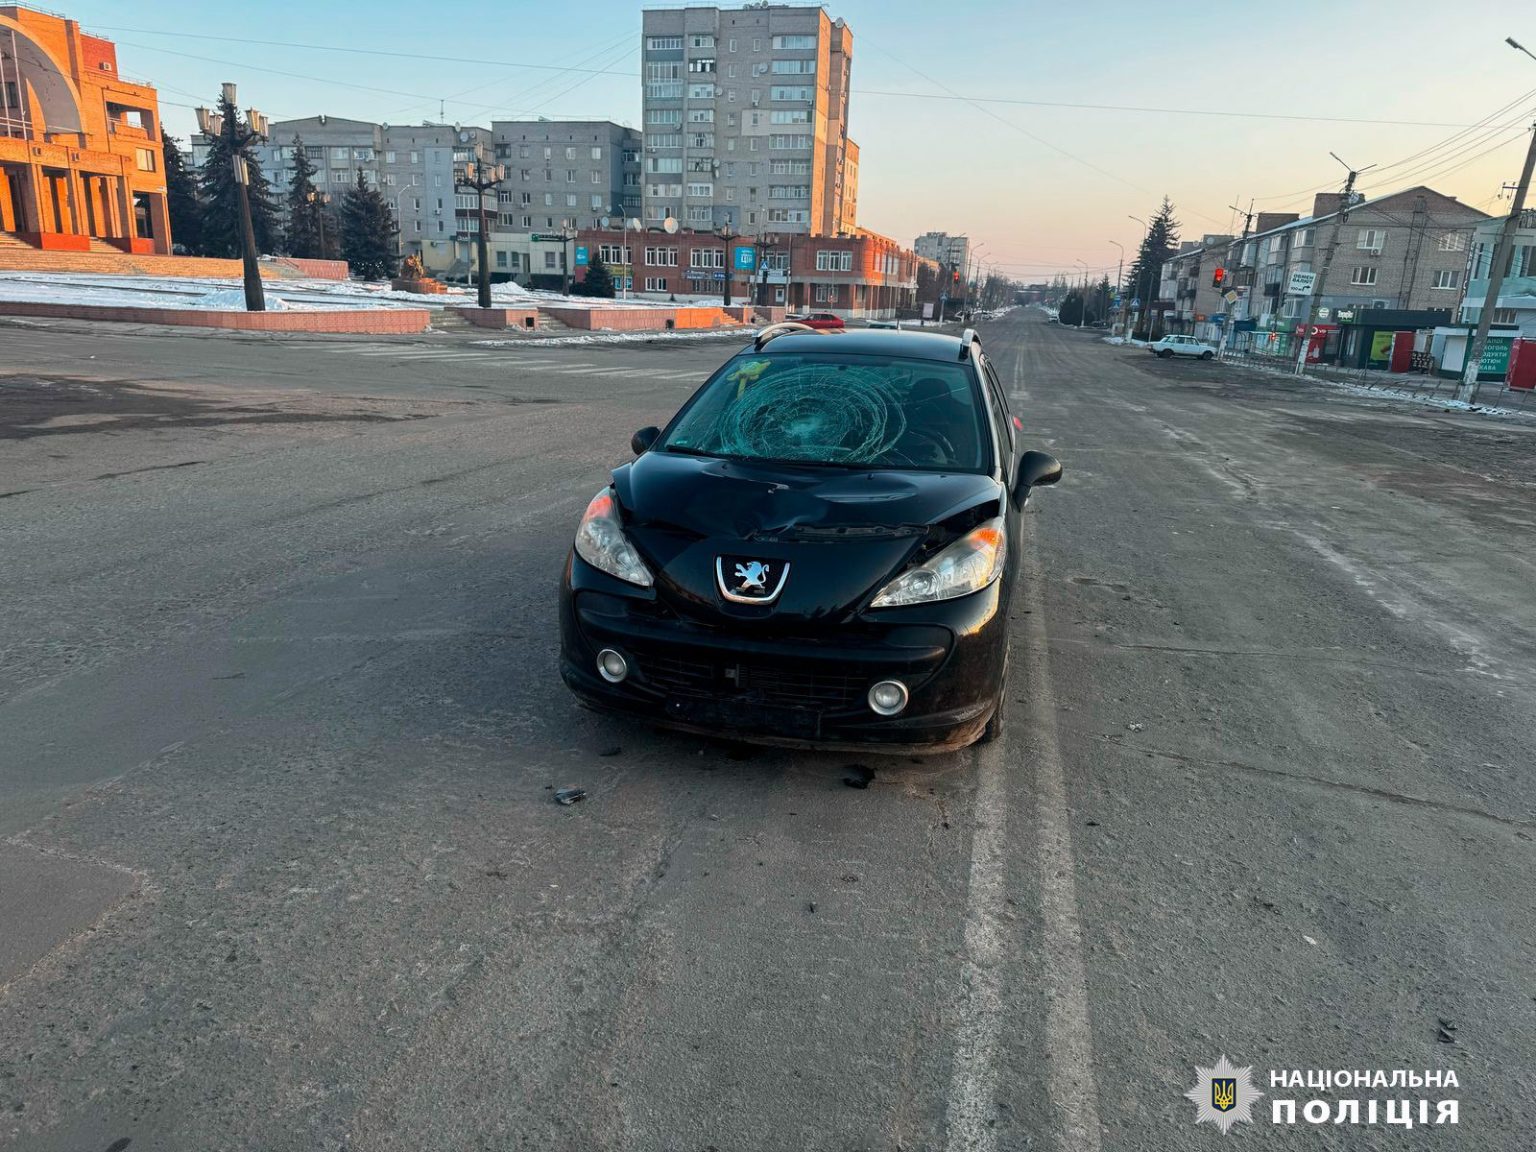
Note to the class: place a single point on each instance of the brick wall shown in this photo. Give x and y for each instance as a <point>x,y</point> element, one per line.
<point>375,321</point>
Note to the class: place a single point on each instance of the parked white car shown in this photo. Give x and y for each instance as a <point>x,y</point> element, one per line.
<point>1182,346</point>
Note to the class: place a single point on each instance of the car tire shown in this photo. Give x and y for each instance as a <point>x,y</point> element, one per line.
<point>1165,354</point>
<point>1207,355</point>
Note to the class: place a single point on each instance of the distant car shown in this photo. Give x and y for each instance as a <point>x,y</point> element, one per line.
<point>819,320</point>
<point>885,323</point>
<point>1182,346</point>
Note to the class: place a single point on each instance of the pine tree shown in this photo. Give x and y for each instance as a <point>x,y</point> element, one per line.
<point>1070,311</point>
<point>181,198</point>
<point>304,208</point>
<point>220,195</point>
<point>1160,243</point>
<point>599,281</point>
<point>368,232</point>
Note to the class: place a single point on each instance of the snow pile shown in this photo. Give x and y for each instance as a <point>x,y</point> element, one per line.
<point>1441,402</point>
<point>621,338</point>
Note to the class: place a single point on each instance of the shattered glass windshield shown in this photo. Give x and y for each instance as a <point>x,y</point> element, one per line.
<point>852,411</point>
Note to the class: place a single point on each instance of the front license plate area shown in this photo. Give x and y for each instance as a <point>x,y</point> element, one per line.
<point>746,715</point>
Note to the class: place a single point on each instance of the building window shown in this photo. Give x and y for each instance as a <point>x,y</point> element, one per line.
<point>701,116</point>
<point>1445,279</point>
<point>501,259</point>
<point>757,44</point>
<point>701,41</point>
<point>1371,240</point>
<point>551,260</point>
<point>789,191</point>
<point>701,191</point>
<point>702,65</point>
<point>656,284</point>
<point>389,157</point>
<point>664,164</point>
<point>798,94</point>
<point>789,116</point>
<point>701,91</point>
<point>699,214</point>
<point>1303,238</point>
<point>826,293</point>
<point>570,199</point>
<point>597,201</point>
<point>570,175</point>
<point>145,158</point>
<point>788,142</point>
<point>549,199</point>
<point>793,43</point>
<point>1364,276</point>
<point>793,68</point>
<point>667,116</point>
<point>833,260</point>
<point>707,258</point>
<point>663,43</point>
<point>1453,242</point>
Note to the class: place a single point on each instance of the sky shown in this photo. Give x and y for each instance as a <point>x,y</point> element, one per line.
<point>1038,129</point>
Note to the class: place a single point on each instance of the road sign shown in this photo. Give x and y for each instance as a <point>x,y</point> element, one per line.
<point>547,237</point>
<point>1231,297</point>
<point>746,258</point>
<point>1136,303</point>
<point>1300,283</point>
<point>700,274</point>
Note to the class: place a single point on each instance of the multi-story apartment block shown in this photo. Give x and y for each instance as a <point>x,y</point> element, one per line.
<point>412,166</point>
<point>1517,296</point>
<point>1189,285</point>
<point>1406,250</point>
<point>746,120</point>
<point>944,249</point>
<point>80,159</point>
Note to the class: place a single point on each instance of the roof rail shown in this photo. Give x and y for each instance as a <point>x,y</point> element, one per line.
<point>967,338</point>
<point>779,329</point>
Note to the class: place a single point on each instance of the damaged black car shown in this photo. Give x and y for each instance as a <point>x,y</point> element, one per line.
<point>817,551</point>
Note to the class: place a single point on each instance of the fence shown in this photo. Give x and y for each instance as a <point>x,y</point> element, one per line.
<point>1496,394</point>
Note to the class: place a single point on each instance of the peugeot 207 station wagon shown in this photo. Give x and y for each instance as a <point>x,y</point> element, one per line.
<point>818,550</point>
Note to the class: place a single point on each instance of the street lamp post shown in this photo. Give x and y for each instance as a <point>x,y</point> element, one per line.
<point>320,200</point>
<point>1141,252</point>
<point>766,241</point>
<point>237,139</point>
<point>482,178</point>
<point>1082,311</point>
<point>1119,286</point>
<point>727,235</point>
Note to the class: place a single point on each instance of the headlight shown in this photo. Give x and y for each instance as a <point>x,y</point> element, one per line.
<point>968,565</point>
<point>601,542</point>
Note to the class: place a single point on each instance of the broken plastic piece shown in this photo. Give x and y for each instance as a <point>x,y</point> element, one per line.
<point>569,796</point>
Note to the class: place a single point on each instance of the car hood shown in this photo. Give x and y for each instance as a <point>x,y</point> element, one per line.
<point>844,533</point>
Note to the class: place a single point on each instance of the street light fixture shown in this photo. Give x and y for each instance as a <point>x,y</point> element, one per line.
<point>482,178</point>
<point>1513,43</point>
<point>766,241</point>
<point>237,140</point>
<point>725,233</point>
<point>320,200</point>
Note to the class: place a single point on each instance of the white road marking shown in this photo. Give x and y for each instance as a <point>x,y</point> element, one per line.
<point>1072,1083</point>
<point>972,1099</point>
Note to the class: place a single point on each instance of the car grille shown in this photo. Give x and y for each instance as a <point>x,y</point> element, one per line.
<point>795,687</point>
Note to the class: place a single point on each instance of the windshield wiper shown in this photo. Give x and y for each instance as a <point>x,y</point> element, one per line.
<point>685,450</point>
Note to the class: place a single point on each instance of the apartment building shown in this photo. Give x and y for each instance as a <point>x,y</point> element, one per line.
<point>1190,289</point>
<point>566,174</point>
<point>1517,296</point>
<point>746,120</point>
<point>80,159</point>
<point>944,249</point>
<point>412,166</point>
<point>1406,250</point>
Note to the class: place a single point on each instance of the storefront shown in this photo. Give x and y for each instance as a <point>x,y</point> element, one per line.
<point>1369,336</point>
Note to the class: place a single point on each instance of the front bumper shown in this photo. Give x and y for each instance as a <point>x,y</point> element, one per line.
<point>795,687</point>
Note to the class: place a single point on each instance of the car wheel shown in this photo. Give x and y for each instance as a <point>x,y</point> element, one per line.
<point>1207,355</point>
<point>1165,354</point>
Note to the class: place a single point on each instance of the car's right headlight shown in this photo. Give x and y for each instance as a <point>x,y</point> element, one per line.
<point>968,565</point>
<point>601,542</point>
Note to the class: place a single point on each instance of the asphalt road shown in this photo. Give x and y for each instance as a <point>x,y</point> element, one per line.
<point>280,721</point>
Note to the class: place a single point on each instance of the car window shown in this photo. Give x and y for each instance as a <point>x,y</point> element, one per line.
<point>845,410</point>
<point>999,401</point>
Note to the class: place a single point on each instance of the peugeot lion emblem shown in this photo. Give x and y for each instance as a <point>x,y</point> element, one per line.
<point>750,579</point>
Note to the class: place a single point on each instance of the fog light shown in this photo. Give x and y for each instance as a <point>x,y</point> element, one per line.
<point>612,666</point>
<point>888,697</point>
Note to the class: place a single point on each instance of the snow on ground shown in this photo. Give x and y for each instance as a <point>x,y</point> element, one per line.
<point>296,295</point>
<point>742,333</point>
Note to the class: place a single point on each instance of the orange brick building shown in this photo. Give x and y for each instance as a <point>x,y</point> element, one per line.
<point>81,168</point>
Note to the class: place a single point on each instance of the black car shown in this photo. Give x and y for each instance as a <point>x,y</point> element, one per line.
<point>818,550</point>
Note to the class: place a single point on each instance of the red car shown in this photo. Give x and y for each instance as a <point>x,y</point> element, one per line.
<point>818,320</point>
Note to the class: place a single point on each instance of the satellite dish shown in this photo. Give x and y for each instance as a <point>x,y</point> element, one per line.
<point>670,225</point>
<point>634,224</point>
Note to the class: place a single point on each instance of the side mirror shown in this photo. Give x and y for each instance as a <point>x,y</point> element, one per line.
<point>1034,468</point>
<point>644,438</point>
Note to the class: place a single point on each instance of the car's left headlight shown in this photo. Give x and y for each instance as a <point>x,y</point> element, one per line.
<point>968,565</point>
<point>601,542</point>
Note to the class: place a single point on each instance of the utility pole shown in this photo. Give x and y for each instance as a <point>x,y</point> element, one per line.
<point>1468,390</point>
<point>1345,203</point>
<point>1228,337</point>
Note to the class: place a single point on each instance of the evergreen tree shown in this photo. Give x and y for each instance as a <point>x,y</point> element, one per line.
<point>304,208</point>
<point>1070,311</point>
<point>181,198</point>
<point>599,281</point>
<point>368,232</point>
<point>220,194</point>
<point>1161,242</point>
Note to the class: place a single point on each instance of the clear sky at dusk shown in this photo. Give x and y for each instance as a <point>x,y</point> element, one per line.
<point>956,107</point>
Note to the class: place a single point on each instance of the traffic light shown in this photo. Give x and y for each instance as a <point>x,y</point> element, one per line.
<point>1218,277</point>
<point>955,276</point>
